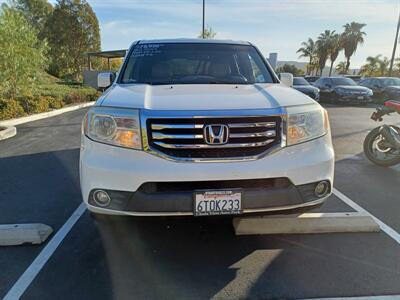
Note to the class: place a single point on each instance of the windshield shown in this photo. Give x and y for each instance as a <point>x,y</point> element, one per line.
<point>196,63</point>
<point>300,81</point>
<point>390,81</point>
<point>342,81</point>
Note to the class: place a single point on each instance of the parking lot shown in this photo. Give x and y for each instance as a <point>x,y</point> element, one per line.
<point>186,257</point>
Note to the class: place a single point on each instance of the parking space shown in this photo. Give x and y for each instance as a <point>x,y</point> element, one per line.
<point>183,258</point>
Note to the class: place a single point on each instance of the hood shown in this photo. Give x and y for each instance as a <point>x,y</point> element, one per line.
<point>306,88</point>
<point>352,88</point>
<point>202,96</point>
<point>393,88</point>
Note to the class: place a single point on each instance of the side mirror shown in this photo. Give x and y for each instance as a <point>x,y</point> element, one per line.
<point>286,79</point>
<point>105,79</point>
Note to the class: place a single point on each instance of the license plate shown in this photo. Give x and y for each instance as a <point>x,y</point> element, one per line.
<point>222,202</point>
<point>360,97</point>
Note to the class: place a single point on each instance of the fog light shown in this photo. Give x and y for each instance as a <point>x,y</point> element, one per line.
<point>322,189</point>
<point>101,198</point>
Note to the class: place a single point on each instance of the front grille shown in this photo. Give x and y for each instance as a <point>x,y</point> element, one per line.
<point>184,137</point>
<point>190,186</point>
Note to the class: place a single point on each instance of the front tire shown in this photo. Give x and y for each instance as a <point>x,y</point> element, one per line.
<point>371,145</point>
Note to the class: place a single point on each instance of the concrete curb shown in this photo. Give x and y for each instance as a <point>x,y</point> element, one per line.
<point>17,121</point>
<point>306,223</point>
<point>7,132</point>
<point>19,234</point>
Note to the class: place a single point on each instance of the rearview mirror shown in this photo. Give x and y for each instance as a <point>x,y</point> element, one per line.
<point>286,79</point>
<point>105,79</point>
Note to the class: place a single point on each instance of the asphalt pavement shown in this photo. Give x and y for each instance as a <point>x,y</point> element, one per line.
<point>192,258</point>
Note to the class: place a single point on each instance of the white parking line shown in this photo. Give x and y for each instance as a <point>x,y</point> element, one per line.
<point>387,229</point>
<point>33,270</point>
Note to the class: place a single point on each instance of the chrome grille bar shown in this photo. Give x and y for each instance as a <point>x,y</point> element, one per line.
<point>251,125</point>
<point>206,146</point>
<point>269,133</point>
<point>156,126</point>
<point>161,136</point>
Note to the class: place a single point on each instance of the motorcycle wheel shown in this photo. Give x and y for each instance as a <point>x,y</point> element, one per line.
<point>380,154</point>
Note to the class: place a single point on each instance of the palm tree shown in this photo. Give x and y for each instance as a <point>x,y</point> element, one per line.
<point>208,33</point>
<point>323,48</point>
<point>336,46</point>
<point>352,37</point>
<point>383,65</point>
<point>308,50</point>
<point>375,66</point>
<point>341,67</point>
<point>372,65</point>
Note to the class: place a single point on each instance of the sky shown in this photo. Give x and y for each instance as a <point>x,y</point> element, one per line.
<point>272,25</point>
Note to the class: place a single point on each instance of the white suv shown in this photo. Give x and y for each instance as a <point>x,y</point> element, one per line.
<point>202,127</point>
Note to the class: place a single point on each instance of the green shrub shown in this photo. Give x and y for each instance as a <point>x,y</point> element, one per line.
<point>81,95</point>
<point>33,104</point>
<point>54,103</point>
<point>51,93</point>
<point>10,109</point>
<point>38,104</point>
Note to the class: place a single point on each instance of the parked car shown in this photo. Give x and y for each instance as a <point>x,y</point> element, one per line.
<point>302,85</point>
<point>203,127</point>
<point>342,90</point>
<point>311,79</point>
<point>356,78</point>
<point>384,88</point>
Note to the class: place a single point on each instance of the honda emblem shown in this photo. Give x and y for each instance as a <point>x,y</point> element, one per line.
<point>216,134</point>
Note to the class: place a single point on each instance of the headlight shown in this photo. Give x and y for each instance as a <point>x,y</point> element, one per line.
<point>305,123</point>
<point>370,93</point>
<point>119,127</point>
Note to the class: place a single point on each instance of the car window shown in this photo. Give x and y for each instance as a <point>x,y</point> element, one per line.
<point>375,83</point>
<point>365,82</point>
<point>300,81</point>
<point>184,63</point>
<point>318,82</point>
<point>342,81</point>
<point>390,82</point>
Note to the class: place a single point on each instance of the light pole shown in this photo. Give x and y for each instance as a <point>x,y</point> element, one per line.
<point>204,16</point>
<point>394,47</point>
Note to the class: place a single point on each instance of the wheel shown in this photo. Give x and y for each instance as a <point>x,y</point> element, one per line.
<point>378,152</point>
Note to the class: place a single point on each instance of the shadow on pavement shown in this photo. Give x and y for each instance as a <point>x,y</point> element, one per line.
<point>201,258</point>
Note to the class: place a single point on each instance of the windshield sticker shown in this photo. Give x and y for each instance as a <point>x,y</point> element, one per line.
<point>146,50</point>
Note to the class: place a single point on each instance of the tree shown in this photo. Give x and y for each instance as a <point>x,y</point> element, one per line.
<point>208,33</point>
<point>352,37</point>
<point>371,67</point>
<point>336,45</point>
<point>375,66</point>
<point>308,51</point>
<point>36,12</point>
<point>21,54</point>
<point>383,66</point>
<point>286,68</point>
<point>71,30</point>
<point>341,68</point>
<point>324,46</point>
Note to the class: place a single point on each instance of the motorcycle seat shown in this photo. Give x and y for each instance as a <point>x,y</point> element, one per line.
<point>394,104</point>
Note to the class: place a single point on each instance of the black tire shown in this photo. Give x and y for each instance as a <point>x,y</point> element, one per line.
<point>368,143</point>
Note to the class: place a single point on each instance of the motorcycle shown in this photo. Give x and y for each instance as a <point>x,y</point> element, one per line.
<point>382,144</point>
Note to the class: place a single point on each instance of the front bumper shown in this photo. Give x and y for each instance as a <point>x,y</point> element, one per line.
<point>353,98</point>
<point>125,171</point>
